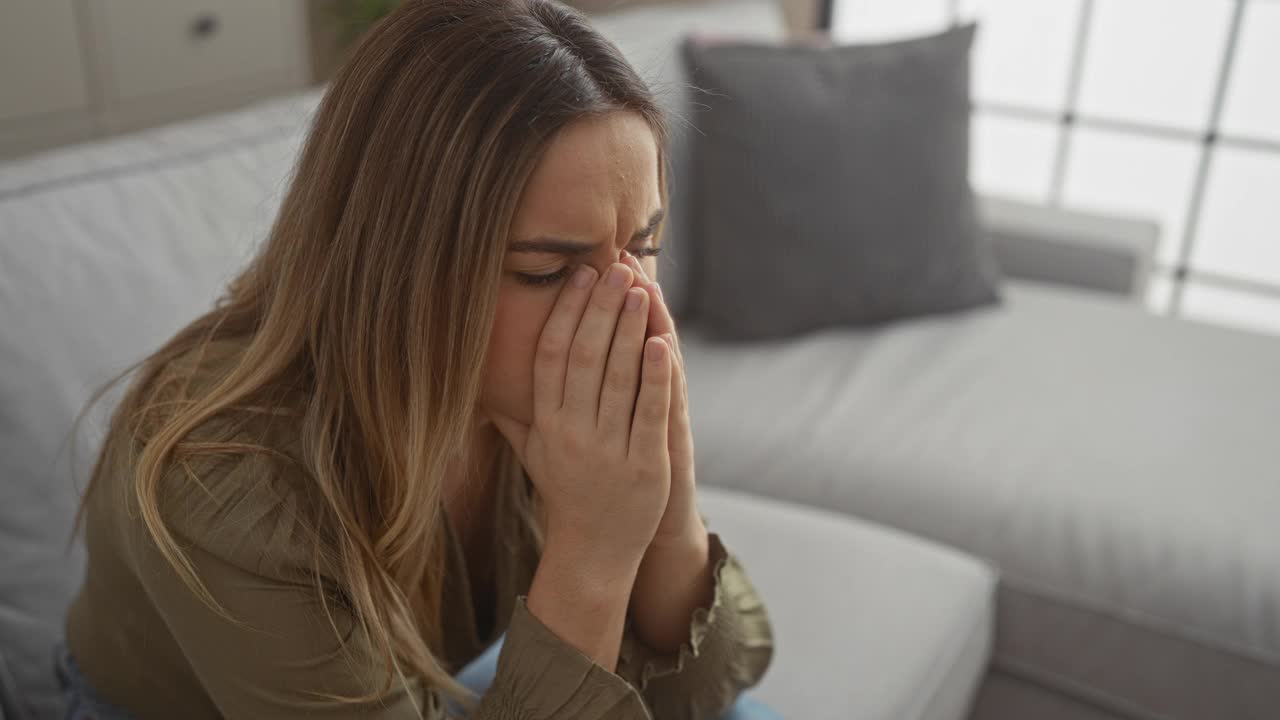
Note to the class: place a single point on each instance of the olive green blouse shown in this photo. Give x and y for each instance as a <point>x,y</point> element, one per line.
<point>146,642</point>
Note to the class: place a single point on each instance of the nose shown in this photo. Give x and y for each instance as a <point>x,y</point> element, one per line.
<point>617,257</point>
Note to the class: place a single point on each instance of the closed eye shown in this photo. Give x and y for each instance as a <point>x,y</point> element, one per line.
<point>536,280</point>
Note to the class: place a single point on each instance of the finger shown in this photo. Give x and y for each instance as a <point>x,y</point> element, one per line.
<point>677,364</point>
<point>591,343</point>
<point>622,376</point>
<point>653,406</point>
<point>678,352</point>
<point>660,320</point>
<point>680,432</point>
<point>556,339</point>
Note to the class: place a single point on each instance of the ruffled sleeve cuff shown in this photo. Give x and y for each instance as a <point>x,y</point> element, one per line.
<point>729,647</point>
<point>540,677</point>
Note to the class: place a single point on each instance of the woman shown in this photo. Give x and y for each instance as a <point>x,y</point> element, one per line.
<point>444,404</point>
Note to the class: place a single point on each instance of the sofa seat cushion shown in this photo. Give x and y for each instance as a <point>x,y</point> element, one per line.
<point>869,622</point>
<point>1119,468</point>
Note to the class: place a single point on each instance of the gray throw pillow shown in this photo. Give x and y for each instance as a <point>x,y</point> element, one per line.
<point>831,185</point>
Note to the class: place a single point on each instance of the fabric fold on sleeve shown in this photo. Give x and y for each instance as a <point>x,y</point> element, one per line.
<point>729,647</point>
<point>541,677</point>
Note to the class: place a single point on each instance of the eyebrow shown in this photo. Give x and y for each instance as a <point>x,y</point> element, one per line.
<point>561,246</point>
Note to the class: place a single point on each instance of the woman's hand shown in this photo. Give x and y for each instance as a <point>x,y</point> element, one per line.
<point>597,449</point>
<point>675,576</point>
<point>680,522</point>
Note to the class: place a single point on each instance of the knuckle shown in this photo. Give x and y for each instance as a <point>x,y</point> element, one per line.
<point>649,472</point>
<point>601,300</point>
<point>573,441</point>
<point>583,357</point>
<point>651,413</point>
<point>617,381</point>
<point>609,411</point>
<point>552,347</point>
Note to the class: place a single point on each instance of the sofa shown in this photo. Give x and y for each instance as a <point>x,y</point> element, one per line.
<point>1057,507</point>
<point>107,249</point>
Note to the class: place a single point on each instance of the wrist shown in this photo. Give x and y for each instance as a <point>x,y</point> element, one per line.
<point>674,560</point>
<point>674,580</point>
<point>596,567</point>
<point>584,607</point>
<point>692,534</point>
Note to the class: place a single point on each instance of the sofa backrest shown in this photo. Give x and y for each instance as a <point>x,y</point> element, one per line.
<point>106,250</point>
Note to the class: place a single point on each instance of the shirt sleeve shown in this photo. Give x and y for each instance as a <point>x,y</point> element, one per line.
<point>729,647</point>
<point>279,656</point>
<point>288,655</point>
<point>541,676</point>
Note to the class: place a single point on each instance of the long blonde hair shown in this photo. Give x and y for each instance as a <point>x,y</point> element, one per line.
<point>374,294</point>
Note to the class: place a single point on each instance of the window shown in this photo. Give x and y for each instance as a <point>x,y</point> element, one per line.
<point>1168,111</point>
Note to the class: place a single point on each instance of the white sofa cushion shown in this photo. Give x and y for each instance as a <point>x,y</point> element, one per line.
<point>106,250</point>
<point>1122,470</point>
<point>870,623</point>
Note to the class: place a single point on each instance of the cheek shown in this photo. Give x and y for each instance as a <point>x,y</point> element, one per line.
<point>513,341</point>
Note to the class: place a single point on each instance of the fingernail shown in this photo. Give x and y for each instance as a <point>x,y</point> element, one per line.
<point>659,289</point>
<point>633,299</point>
<point>616,276</point>
<point>655,351</point>
<point>582,277</point>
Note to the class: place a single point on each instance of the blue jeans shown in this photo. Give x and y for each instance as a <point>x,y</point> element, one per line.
<point>79,698</point>
<point>478,675</point>
<point>82,703</point>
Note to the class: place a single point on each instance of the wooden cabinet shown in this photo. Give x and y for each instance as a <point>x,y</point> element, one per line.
<point>78,69</point>
<point>41,68</point>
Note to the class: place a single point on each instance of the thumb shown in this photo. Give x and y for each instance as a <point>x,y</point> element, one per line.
<point>516,433</point>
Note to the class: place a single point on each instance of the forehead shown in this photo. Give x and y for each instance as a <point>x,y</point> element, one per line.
<point>595,173</point>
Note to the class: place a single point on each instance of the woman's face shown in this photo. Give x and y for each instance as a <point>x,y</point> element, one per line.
<point>596,189</point>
